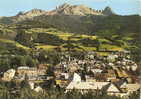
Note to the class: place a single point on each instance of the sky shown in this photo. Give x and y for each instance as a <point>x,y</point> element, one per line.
<point>122,7</point>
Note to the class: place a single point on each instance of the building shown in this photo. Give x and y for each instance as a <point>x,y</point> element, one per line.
<point>110,75</point>
<point>132,87</point>
<point>86,86</point>
<point>9,75</point>
<point>32,73</point>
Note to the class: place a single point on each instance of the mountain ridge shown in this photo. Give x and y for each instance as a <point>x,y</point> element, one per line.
<point>65,9</point>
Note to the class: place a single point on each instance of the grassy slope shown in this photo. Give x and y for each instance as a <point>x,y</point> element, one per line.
<point>18,45</point>
<point>105,44</point>
<point>74,38</point>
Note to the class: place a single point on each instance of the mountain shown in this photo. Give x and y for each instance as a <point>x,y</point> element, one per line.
<point>75,18</point>
<point>65,9</point>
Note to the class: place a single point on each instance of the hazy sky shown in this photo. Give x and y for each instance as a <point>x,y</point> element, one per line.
<point>123,7</point>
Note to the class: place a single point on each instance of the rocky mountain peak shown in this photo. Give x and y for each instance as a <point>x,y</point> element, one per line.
<point>108,11</point>
<point>28,15</point>
<point>75,10</point>
<point>64,5</point>
<point>35,12</point>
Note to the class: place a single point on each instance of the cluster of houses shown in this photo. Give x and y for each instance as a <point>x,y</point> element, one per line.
<point>119,88</point>
<point>113,67</point>
<point>114,74</point>
<point>25,72</point>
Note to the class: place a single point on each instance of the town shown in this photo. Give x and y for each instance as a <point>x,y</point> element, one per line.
<point>115,74</point>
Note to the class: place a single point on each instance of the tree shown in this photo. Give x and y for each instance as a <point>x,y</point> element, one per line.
<point>30,61</point>
<point>24,38</point>
<point>50,71</point>
<point>24,83</point>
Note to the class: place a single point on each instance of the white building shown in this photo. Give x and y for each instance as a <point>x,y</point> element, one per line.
<point>76,78</point>
<point>9,75</point>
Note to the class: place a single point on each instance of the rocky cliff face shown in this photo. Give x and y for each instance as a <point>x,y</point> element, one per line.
<point>75,10</point>
<point>108,11</point>
<point>28,15</point>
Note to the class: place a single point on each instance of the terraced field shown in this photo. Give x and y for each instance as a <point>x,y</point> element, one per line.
<point>14,43</point>
<point>79,41</point>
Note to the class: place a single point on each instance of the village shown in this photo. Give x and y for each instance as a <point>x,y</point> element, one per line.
<point>115,74</point>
